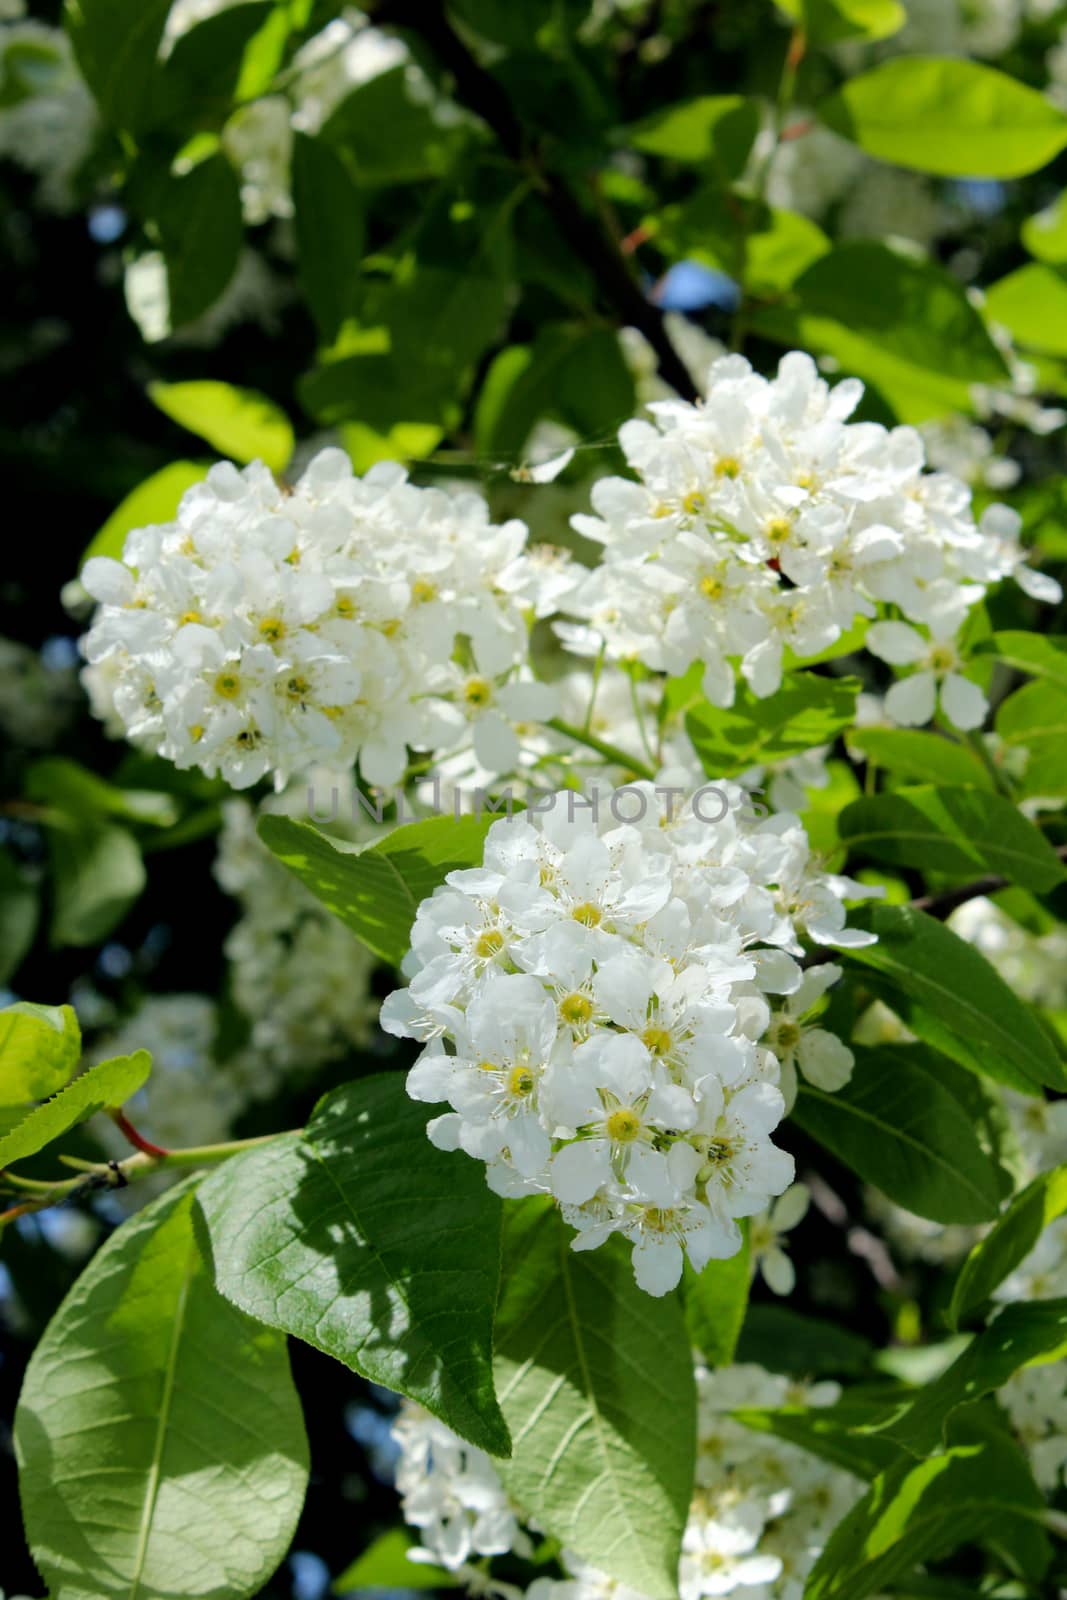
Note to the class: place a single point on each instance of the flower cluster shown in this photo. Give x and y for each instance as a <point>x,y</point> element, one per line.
<point>763,521</point>
<point>268,629</point>
<point>593,1001</point>
<point>48,117</point>
<point>761,1513</point>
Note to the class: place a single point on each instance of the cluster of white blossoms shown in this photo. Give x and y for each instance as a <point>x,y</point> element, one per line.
<point>763,521</point>
<point>296,972</point>
<point>594,1005</point>
<point>48,118</point>
<point>267,629</point>
<point>761,1513</point>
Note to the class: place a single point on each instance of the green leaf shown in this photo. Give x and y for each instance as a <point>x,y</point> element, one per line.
<point>417,146</point>
<point>1034,720</point>
<point>954,999</point>
<point>1007,1244</point>
<point>198,219</point>
<point>961,832</point>
<point>39,1048</point>
<point>595,1378</point>
<point>831,21</point>
<point>1033,1331</point>
<point>109,1083</point>
<point>949,116</point>
<point>782,1340</point>
<point>773,250</point>
<point>19,914</point>
<point>73,788</point>
<point>833,1433</point>
<point>116,48</point>
<point>159,1438</point>
<point>376,891</point>
<point>715,1304</point>
<point>239,423</point>
<point>155,500</point>
<point>97,874</point>
<point>923,757</point>
<point>979,1489</point>
<point>896,1127</point>
<point>218,63</point>
<point>715,129</point>
<point>904,325</point>
<point>385,1565</point>
<point>1032,304</point>
<point>366,1241</point>
<point>806,711</point>
<point>329,232</point>
<point>573,374</point>
<point>1045,233</point>
<point>1029,652</point>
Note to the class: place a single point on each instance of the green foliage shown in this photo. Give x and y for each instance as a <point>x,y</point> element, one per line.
<point>783,1340</point>
<point>109,1083</point>
<point>369,1243</point>
<point>1033,720</point>
<point>596,1382</point>
<point>19,914</point>
<point>952,117</point>
<point>39,1049</point>
<point>1031,303</point>
<point>159,1438</point>
<point>715,1304</point>
<point>572,374</point>
<point>953,998</point>
<point>961,832</point>
<point>909,754</point>
<point>197,217</point>
<point>329,233</point>
<point>1009,1243</point>
<point>807,710</point>
<point>716,129</point>
<point>385,1565</point>
<point>899,1129</point>
<point>831,21</point>
<point>1030,652</point>
<point>837,1434</point>
<point>116,50</point>
<point>377,890</point>
<point>237,422</point>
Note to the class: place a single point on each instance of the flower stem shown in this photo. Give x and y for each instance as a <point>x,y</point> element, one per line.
<point>610,752</point>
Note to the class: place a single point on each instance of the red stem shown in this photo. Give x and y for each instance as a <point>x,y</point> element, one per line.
<point>138,1140</point>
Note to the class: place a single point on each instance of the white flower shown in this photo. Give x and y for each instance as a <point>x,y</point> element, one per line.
<point>766,1241</point>
<point>914,699</point>
<point>451,1492</point>
<point>591,1000</point>
<point>820,1055</point>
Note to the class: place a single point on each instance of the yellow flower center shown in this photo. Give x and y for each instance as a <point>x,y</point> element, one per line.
<point>942,658</point>
<point>520,1081</point>
<point>779,529</point>
<point>710,588</point>
<point>196,732</point>
<point>189,616</point>
<point>693,502</point>
<point>487,1066</point>
<point>422,590</point>
<point>805,480</point>
<point>346,606</point>
<point>297,688</point>
<point>477,692</point>
<point>657,1039</point>
<point>576,1008</point>
<point>623,1125</point>
<point>488,944</point>
<point>227,685</point>
<point>785,1036</point>
<point>272,629</point>
<point>587,914</point>
<point>727,467</point>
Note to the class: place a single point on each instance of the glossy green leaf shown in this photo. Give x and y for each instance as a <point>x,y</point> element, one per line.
<point>376,891</point>
<point>369,1243</point>
<point>833,1433</point>
<point>1033,722</point>
<point>328,213</point>
<point>1032,304</point>
<point>595,1378</point>
<point>416,147</point>
<point>832,21</point>
<point>1045,233</point>
<point>571,374</point>
<point>783,1340</point>
<point>716,130</point>
<point>159,1438</point>
<point>1030,652</point>
<point>1032,1331</point>
<point>206,73</point>
<point>961,832</point>
<point>715,1304</point>
<point>385,1565</point>
<point>116,49</point>
<point>19,914</point>
<point>109,1083</point>
<point>806,711</point>
<point>155,500</point>
<point>923,757</point>
<point>239,423</point>
<point>917,1512</point>
<point>1008,1244</point>
<point>953,998</point>
<point>97,874</point>
<point>771,249</point>
<point>949,116</point>
<point>198,218</point>
<point>896,1127</point>
<point>39,1048</point>
<point>75,789</point>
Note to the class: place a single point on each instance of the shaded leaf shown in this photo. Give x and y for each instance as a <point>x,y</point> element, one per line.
<point>1009,1243</point>
<point>328,215</point>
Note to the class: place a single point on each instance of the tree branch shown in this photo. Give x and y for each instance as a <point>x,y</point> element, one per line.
<point>942,904</point>
<point>480,92</point>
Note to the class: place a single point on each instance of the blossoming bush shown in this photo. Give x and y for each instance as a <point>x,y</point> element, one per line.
<point>533,852</point>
